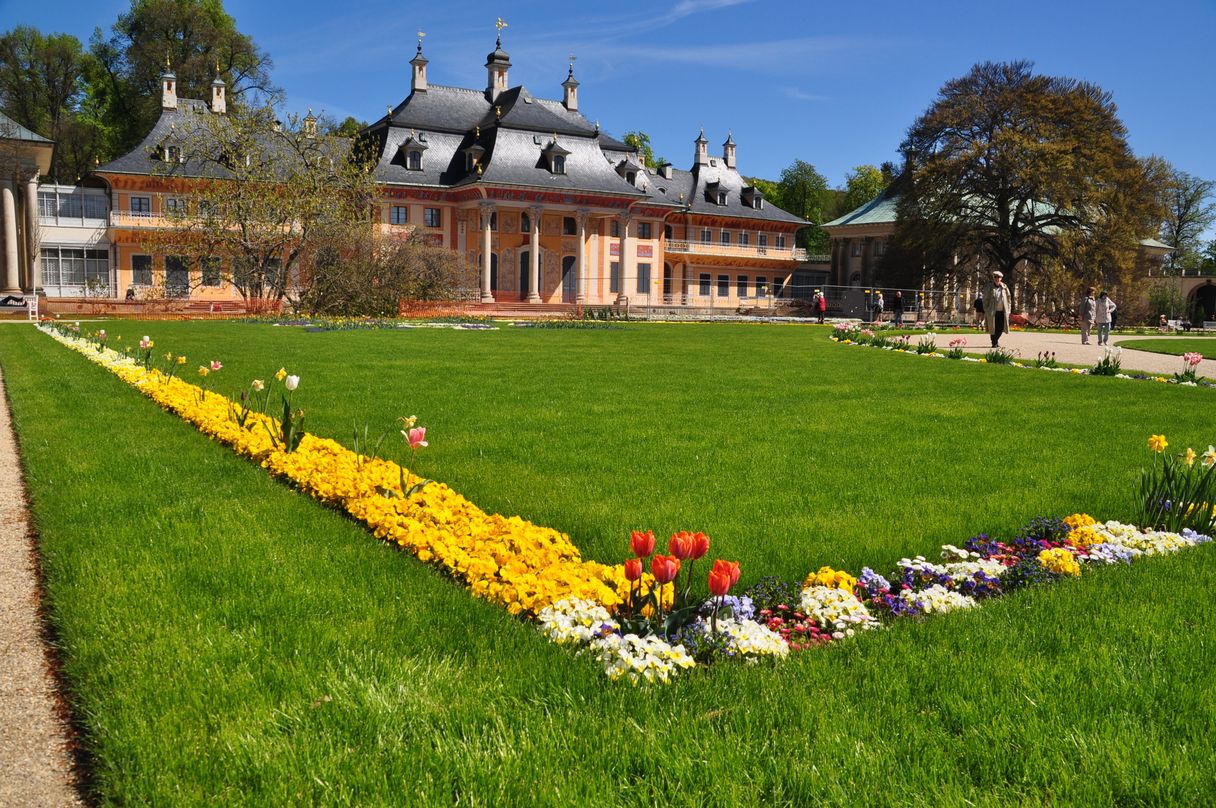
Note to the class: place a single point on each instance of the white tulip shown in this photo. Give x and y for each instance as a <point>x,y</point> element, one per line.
<point>291,382</point>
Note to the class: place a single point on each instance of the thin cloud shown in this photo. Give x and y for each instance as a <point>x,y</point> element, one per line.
<point>801,95</point>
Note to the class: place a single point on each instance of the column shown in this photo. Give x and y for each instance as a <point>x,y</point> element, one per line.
<point>31,233</point>
<point>12,280</point>
<point>534,255</point>
<point>486,248</point>
<point>623,258</point>
<point>580,281</point>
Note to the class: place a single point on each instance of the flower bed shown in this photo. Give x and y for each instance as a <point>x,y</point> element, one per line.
<point>1108,365</point>
<point>640,626</point>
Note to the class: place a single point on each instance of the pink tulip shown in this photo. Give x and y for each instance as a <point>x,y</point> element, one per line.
<point>417,437</point>
<point>215,365</point>
<point>1192,358</point>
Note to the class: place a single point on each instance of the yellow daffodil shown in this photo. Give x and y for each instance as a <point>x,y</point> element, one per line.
<point>281,375</point>
<point>1189,457</point>
<point>202,370</point>
<point>1157,443</point>
<point>181,360</point>
<point>1209,457</point>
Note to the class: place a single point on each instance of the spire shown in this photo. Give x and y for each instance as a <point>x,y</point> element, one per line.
<point>168,87</point>
<point>219,102</point>
<point>497,64</point>
<point>702,152</point>
<point>570,85</point>
<point>310,124</point>
<point>419,62</point>
<point>728,150</point>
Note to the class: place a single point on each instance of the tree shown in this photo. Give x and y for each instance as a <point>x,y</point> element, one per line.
<point>1010,170</point>
<point>804,192</point>
<point>350,127</point>
<point>373,275</point>
<point>862,184</point>
<point>197,37</point>
<point>262,201</point>
<point>641,142</point>
<point>42,88</point>
<point>1190,210</point>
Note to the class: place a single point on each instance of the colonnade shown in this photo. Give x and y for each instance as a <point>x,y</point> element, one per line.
<point>22,270</point>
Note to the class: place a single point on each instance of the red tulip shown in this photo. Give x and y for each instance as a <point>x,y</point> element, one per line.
<point>700,545</point>
<point>680,545</point>
<point>728,568</point>
<point>633,569</point>
<point>664,568</point>
<point>719,581</point>
<point>642,543</point>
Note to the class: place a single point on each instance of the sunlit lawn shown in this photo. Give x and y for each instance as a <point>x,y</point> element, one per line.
<point>227,641</point>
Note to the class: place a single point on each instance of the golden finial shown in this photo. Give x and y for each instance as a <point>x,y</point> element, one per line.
<point>497,112</point>
<point>388,110</point>
<point>167,65</point>
<point>501,24</point>
<point>421,34</point>
<point>477,131</point>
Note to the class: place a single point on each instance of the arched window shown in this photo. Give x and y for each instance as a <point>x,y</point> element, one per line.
<point>559,164</point>
<point>415,160</point>
<point>525,223</point>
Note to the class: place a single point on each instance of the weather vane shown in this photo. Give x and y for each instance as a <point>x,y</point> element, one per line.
<point>501,24</point>
<point>421,34</point>
<point>572,58</point>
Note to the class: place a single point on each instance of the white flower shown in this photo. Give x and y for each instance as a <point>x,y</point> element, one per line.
<point>749,638</point>
<point>836,610</point>
<point>937,598</point>
<point>291,383</point>
<point>575,622</point>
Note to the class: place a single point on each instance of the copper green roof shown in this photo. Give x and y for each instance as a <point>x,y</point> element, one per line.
<point>11,130</point>
<point>879,210</point>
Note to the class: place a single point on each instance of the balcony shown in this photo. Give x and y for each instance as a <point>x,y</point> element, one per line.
<point>735,251</point>
<point>136,219</point>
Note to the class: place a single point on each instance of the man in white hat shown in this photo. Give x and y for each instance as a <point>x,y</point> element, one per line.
<point>997,305</point>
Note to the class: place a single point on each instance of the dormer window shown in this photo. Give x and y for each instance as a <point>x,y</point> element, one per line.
<point>171,153</point>
<point>559,164</point>
<point>721,197</point>
<point>556,156</point>
<point>413,160</point>
<point>759,203</point>
<point>631,178</point>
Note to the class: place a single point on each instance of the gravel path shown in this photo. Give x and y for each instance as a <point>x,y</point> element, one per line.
<point>35,766</point>
<point>1068,348</point>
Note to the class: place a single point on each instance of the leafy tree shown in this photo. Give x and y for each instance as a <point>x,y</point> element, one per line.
<point>42,87</point>
<point>641,142</point>
<point>196,37</point>
<point>804,192</point>
<point>1190,210</point>
<point>349,127</point>
<point>1008,169</point>
<point>262,202</point>
<point>862,184</point>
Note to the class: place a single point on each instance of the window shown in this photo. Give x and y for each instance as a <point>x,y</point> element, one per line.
<point>761,286</point>
<point>210,271</point>
<point>525,223</point>
<point>856,248</point>
<point>703,280</point>
<point>724,286</point>
<point>95,206</point>
<point>741,285</point>
<point>615,229</point>
<point>400,214</point>
<point>141,270</point>
<point>414,160</point>
<point>69,206</point>
<point>763,240</point>
<point>631,177</point>
<point>172,154</point>
<point>778,287</point>
<point>781,241</point>
<point>470,162</point>
<point>667,231</point>
<point>47,205</point>
<point>643,279</point>
<point>433,217</point>
<point>880,246</point>
<point>177,276</point>
<point>559,164</point>
<point>614,278</point>
<point>76,271</point>
<point>644,230</point>
<point>175,205</point>
<point>569,226</point>
<point>743,238</point>
<point>726,237</point>
<point>141,204</point>
<point>705,235</point>
<point>759,203</point>
<point>721,197</point>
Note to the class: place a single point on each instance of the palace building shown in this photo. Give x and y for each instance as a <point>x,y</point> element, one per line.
<point>544,204</point>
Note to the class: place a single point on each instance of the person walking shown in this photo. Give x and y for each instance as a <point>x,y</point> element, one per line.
<point>979,309</point>
<point>1087,308</point>
<point>1104,309</point>
<point>897,306</point>
<point>878,306</point>
<point>997,304</point>
<point>820,305</point>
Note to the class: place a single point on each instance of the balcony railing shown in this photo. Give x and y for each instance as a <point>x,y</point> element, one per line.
<point>736,250</point>
<point>131,218</point>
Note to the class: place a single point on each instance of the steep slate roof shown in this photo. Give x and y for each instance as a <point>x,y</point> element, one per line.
<point>11,130</point>
<point>705,181</point>
<point>513,157</point>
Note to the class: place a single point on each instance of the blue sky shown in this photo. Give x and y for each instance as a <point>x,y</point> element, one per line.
<point>835,84</point>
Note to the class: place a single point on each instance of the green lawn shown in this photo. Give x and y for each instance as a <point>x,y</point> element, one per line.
<point>1175,346</point>
<point>227,641</point>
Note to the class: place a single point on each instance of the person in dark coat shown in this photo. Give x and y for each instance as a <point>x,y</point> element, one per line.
<point>897,307</point>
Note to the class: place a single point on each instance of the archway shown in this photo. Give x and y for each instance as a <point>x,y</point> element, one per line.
<point>1202,305</point>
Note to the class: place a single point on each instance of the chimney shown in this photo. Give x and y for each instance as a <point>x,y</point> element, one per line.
<point>418,83</point>
<point>570,85</point>
<point>219,104</point>
<point>728,150</point>
<point>702,149</point>
<point>168,88</point>
<point>665,171</point>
